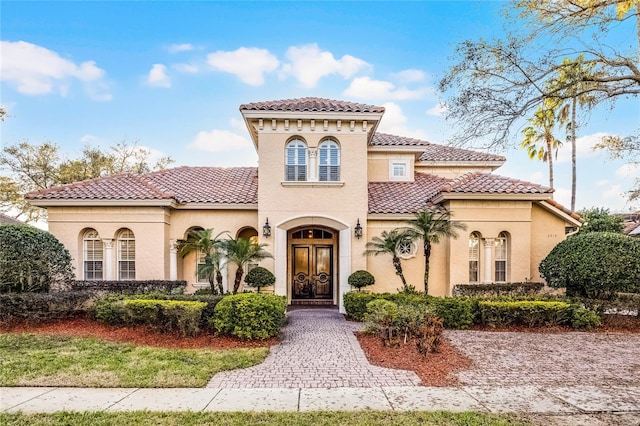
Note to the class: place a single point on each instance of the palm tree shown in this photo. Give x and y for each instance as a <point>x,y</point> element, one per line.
<point>429,225</point>
<point>387,243</point>
<point>203,241</point>
<point>240,252</point>
<point>540,130</point>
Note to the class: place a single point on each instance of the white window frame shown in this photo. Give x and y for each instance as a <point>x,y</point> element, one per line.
<point>124,251</point>
<point>92,252</point>
<point>474,256</point>
<point>330,164</point>
<point>299,161</point>
<point>406,249</point>
<point>501,256</point>
<point>396,165</point>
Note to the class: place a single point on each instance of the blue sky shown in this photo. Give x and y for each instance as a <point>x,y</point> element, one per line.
<point>172,75</point>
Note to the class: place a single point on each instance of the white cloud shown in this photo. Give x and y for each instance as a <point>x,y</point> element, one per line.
<point>249,64</point>
<point>308,64</point>
<point>394,122</point>
<point>410,76</point>
<point>601,183</point>
<point>238,124</point>
<point>614,191</point>
<point>628,170</point>
<point>35,70</point>
<point>90,139</point>
<point>366,88</point>
<point>180,47</point>
<point>438,110</point>
<point>562,196</point>
<point>219,141</point>
<point>584,147</point>
<point>158,76</point>
<point>186,68</point>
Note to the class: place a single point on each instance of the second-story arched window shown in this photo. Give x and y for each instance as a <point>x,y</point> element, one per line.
<point>296,161</point>
<point>329,162</point>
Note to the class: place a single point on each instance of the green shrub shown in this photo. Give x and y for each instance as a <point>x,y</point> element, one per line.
<point>42,307</point>
<point>250,315</point>
<point>457,312</point>
<point>132,287</point>
<point>166,315</point>
<point>361,279</point>
<point>32,260</point>
<point>260,277</point>
<point>497,289</point>
<point>355,304</point>
<point>524,312</point>
<point>584,319</point>
<point>594,265</point>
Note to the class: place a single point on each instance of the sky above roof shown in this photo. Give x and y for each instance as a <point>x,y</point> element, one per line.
<point>172,76</point>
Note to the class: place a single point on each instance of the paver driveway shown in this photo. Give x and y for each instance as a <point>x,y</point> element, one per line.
<point>549,359</point>
<point>318,350</point>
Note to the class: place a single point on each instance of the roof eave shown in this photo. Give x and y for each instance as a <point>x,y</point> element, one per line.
<point>553,209</point>
<point>101,203</point>
<point>488,196</point>
<point>445,163</point>
<point>217,206</point>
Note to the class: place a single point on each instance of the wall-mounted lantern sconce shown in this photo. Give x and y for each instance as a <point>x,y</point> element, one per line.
<point>358,230</point>
<point>266,229</point>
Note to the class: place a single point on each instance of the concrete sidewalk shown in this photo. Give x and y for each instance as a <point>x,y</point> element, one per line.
<point>513,399</point>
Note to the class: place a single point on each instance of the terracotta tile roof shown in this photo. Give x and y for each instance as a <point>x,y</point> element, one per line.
<point>218,185</point>
<point>564,209</point>
<point>435,152</point>
<point>8,220</point>
<point>407,197</point>
<point>493,184</point>
<point>310,105</point>
<point>404,197</point>
<point>384,139</point>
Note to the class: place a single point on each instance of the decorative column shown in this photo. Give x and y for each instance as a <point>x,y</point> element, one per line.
<point>488,260</point>
<point>108,259</point>
<point>224,270</point>
<point>313,164</point>
<point>173,260</point>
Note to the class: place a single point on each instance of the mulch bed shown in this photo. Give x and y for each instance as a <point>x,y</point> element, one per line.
<point>84,327</point>
<point>435,369</point>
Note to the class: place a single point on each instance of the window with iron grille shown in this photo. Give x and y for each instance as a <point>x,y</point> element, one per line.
<point>126,255</point>
<point>296,161</point>
<point>93,252</point>
<point>329,164</point>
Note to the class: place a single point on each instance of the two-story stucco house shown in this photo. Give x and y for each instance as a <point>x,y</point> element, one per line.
<point>326,183</point>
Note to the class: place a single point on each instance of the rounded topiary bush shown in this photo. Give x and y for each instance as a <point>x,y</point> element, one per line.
<point>361,279</point>
<point>249,315</point>
<point>32,260</point>
<point>594,265</point>
<point>260,277</point>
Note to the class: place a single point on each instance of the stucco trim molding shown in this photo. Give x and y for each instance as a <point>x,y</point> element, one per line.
<point>560,213</point>
<point>488,196</point>
<point>493,164</point>
<point>103,203</point>
<point>216,206</point>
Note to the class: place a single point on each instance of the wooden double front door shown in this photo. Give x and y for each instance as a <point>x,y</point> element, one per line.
<point>312,269</point>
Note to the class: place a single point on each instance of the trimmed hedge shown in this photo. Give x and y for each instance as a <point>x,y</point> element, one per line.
<point>129,287</point>
<point>41,307</point>
<point>457,312</point>
<point>524,312</point>
<point>167,315</point>
<point>250,315</point>
<point>498,289</point>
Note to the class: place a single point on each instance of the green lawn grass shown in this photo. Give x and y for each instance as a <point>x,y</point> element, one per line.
<point>43,360</point>
<point>321,418</point>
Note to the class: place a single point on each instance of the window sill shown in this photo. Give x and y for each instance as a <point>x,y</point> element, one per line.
<point>314,184</point>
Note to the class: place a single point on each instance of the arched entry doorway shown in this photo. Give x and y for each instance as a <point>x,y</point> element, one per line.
<point>313,264</point>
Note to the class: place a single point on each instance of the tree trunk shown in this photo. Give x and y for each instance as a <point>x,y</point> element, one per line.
<point>398,266</point>
<point>550,161</point>
<point>238,280</point>
<point>574,106</point>
<point>427,256</point>
<point>219,281</point>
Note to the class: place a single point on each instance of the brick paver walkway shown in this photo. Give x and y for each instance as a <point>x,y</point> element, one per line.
<point>549,359</point>
<point>318,350</point>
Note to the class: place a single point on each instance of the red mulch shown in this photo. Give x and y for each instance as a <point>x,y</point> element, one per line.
<point>84,327</point>
<point>610,324</point>
<point>435,369</point>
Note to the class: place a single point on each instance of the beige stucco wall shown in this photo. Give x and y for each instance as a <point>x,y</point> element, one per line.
<point>149,225</point>
<point>378,165</point>
<point>547,230</point>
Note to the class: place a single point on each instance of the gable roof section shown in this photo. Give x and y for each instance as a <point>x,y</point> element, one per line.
<point>310,104</point>
<point>216,185</point>
<point>8,220</point>
<point>385,139</point>
<point>426,189</point>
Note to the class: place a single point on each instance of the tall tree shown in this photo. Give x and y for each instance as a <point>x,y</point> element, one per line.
<point>387,244</point>
<point>430,225</point>
<point>30,167</point>
<point>240,252</point>
<point>203,241</point>
<point>494,84</point>
<point>539,139</point>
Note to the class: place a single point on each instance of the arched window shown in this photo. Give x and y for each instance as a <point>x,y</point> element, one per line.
<point>329,166</point>
<point>501,255</point>
<point>474,257</point>
<point>92,253</point>
<point>296,161</point>
<point>126,255</point>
